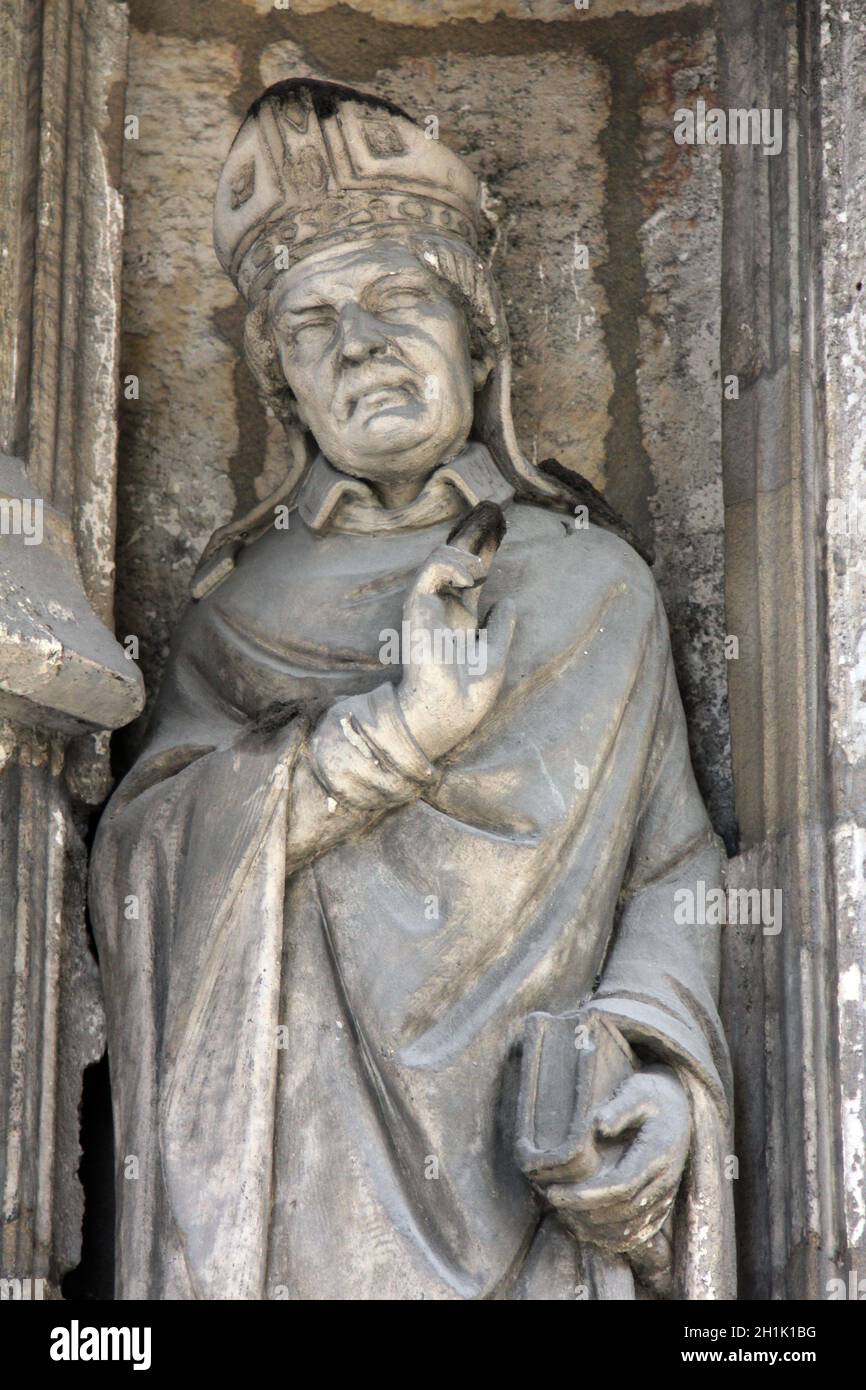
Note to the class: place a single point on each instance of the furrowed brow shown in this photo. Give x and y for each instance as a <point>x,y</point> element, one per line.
<point>411,272</point>
<point>298,310</point>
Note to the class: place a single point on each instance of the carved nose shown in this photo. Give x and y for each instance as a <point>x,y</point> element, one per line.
<point>361,336</point>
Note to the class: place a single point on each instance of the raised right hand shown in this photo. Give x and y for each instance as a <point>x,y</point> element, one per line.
<point>443,695</point>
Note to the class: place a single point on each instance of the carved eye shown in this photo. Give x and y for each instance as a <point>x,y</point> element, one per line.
<point>293,329</point>
<point>400,297</point>
<point>323,321</point>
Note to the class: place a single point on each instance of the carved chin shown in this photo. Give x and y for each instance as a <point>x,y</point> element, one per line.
<point>394,423</point>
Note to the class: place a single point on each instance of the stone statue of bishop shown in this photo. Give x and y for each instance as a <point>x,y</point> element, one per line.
<point>406,1011</point>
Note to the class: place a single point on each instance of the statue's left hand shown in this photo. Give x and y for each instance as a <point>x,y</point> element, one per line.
<point>624,1204</point>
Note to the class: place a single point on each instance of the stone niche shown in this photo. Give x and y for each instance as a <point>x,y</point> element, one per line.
<point>607,248</point>
<point>639,275</point>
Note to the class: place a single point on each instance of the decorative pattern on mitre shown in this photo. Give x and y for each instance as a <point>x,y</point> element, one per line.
<point>294,183</point>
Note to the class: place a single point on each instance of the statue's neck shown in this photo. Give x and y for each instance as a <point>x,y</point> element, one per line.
<point>392,493</point>
<point>399,492</point>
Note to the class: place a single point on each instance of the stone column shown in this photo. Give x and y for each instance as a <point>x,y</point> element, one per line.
<point>64,680</point>
<point>793,335</point>
<point>838,43</point>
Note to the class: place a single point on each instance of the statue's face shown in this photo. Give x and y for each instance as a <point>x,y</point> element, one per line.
<point>378,359</point>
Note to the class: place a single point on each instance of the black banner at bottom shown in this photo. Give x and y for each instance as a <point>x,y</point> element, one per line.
<point>66,1338</point>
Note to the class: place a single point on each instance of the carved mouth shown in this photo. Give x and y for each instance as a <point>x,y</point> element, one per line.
<point>384,396</point>
<point>381,396</point>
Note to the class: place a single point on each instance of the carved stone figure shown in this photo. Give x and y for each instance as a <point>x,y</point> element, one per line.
<point>402,1001</point>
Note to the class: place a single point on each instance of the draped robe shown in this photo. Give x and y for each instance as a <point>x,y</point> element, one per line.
<point>314,1060</point>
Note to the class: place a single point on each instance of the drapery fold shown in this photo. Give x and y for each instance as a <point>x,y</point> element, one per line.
<point>551,847</point>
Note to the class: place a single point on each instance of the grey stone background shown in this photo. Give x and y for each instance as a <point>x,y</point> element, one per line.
<point>567,116</point>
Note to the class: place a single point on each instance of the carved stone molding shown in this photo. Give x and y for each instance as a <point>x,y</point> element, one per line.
<point>64,680</point>
<point>792,326</point>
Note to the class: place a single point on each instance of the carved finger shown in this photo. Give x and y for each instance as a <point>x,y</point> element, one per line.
<point>622,1183</point>
<point>480,532</point>
<point>623,1113</point>
<point>434,611</point>
<point>629,1233</point>
<point>449,568</point>
<point>638,1211</point>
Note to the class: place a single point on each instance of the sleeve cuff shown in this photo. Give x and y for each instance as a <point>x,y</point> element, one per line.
<point>364,754</point>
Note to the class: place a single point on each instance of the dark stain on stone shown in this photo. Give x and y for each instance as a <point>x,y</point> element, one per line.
<point>324,96</point>
<point>599,509</point>
<point>628,466</point>
<point>662,182</point>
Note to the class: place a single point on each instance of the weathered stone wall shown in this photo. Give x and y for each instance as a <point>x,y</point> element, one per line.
<point>567,115</point>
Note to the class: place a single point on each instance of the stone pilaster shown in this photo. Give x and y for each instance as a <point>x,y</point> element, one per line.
<point>792,334</point>
<point>64,680</point>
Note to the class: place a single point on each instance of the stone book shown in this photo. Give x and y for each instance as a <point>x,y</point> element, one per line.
<point>572,1063</point>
